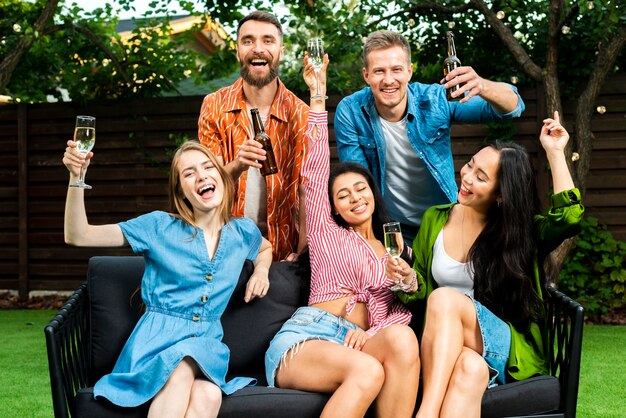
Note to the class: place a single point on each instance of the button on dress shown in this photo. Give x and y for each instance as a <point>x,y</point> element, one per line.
<point>185,294</point>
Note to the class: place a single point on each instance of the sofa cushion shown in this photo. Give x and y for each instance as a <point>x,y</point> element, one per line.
<point>114,310</point>
<point>533,396</point>
<point>250,402</point>
<point>249,327</point>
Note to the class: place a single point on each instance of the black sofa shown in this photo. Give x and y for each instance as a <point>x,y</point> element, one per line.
<point>85,337</point>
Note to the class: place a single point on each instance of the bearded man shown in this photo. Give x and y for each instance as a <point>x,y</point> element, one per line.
<point>275,202</point>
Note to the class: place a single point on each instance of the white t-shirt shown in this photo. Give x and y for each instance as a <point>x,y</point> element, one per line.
<point>409,188</point>
<point>255,206</point>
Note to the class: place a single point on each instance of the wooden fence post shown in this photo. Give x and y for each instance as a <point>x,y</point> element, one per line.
<point>22,161</point>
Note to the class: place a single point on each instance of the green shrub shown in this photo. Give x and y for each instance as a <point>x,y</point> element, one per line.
<point>593,272</point>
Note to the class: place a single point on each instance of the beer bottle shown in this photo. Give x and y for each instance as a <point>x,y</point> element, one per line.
<point>269,165</point>
<point>450,63</point>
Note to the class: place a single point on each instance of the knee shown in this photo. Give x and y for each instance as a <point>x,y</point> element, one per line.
<point>471,371</point>
<point>402,345</point>
<point>443,300</point>
<point>367,375</point>
<point>204,394</point>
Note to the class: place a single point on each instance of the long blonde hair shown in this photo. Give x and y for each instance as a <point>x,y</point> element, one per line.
<point>179,206</point>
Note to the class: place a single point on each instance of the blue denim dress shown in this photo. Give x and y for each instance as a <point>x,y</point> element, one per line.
<point>185,294</point>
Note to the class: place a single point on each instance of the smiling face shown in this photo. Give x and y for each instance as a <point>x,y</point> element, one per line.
<point>353,199</point>
<point>259,50</point>
<point>479,180</point>
<point>388,72</point>
<point>200,182</point>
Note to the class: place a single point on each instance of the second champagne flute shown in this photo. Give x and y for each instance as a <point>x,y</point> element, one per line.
<point>394,243</point>
<point>85,138</point>
<point>315,48</point>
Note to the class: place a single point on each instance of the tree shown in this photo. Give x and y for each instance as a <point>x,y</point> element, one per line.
<point>45,45</point>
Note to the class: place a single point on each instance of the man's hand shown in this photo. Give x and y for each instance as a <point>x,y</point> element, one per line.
<point>467,80</point>
<point>248,155</point>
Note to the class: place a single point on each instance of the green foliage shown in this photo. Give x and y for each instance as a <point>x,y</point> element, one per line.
<point>594,272</point>
<point>81,52</point>
<point>65,54</point>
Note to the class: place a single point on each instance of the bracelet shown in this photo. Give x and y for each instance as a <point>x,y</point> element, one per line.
<point>413,283</point>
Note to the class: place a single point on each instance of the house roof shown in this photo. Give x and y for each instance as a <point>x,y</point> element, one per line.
<point>207,41</point>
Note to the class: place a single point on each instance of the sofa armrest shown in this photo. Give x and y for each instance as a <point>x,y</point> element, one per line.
<point>67,343</point>
<point>565,334</point>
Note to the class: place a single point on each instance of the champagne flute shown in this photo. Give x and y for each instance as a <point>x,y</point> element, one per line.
<point>315,48</point>
<point>394,243</point>
<point>85,138</point>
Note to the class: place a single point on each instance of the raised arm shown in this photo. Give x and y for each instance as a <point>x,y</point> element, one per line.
<point>553,139</point>
<point>499,95</point>
<point>78,231</point>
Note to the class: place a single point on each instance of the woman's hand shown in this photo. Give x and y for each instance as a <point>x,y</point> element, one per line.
<point>553,139</point>
<point>553,135</point>
<point>74,160</point>
<point>398,270</point>
<point>309,75</point>
<point>258,284</point>
<point>355,339</point>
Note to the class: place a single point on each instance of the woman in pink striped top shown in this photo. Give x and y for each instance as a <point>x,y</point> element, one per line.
<point>352,340</point>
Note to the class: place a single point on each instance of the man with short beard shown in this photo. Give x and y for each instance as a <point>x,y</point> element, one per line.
<point>274,202</point>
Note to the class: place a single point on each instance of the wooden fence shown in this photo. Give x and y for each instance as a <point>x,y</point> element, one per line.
<point>129,174</point>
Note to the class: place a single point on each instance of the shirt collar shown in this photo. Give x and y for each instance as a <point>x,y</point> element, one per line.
<point>278,110</point>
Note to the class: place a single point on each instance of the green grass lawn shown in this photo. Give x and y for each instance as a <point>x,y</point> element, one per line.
<point>24,377</point>
<point>25,382</point>
<point>602,390</point>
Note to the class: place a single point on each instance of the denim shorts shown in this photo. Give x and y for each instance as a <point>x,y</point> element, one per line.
<point>307,323</point>
<point>496,343</point>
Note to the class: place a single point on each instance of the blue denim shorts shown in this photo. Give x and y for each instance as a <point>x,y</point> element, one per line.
<point>496,343</point>
<point>307,323</point>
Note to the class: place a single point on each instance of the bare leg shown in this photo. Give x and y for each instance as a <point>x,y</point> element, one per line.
<point>353,377</point>
<point>205,400</point>
<point>467,385</point>
<point>173,399</point>
<point>451,325</point>
<point>397,349</point>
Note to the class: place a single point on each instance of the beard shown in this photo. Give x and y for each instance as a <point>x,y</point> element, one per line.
<point>258,81</point>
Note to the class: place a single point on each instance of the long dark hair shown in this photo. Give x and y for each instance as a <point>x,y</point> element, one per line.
<point>380,216</point>
<point>504,254</point>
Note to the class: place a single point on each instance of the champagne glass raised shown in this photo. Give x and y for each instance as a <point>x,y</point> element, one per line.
<point>85,138</point>
<point>315,48</point>
<point>394,243</point>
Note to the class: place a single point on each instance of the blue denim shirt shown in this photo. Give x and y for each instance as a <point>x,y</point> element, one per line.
<point>359,134</point>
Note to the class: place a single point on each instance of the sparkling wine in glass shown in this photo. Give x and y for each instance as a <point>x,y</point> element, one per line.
<point>394,243</point>
<point>315,48</point>
<point>85,138</point>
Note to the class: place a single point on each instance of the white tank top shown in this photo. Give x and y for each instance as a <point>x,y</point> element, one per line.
<point>449,272</point>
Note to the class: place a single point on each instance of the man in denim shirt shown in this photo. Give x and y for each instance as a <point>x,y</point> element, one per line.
<point>401,131</point>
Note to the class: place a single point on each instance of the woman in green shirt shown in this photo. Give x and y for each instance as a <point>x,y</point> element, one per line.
<point>477,277</point>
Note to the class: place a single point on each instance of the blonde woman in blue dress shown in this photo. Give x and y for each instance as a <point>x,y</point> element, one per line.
<point>193,256</point>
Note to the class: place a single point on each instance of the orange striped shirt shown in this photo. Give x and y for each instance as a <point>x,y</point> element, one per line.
<point>224,125</point>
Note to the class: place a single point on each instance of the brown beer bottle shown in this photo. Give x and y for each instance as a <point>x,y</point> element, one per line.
<point>449,64</point>
<point>269,165</point>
